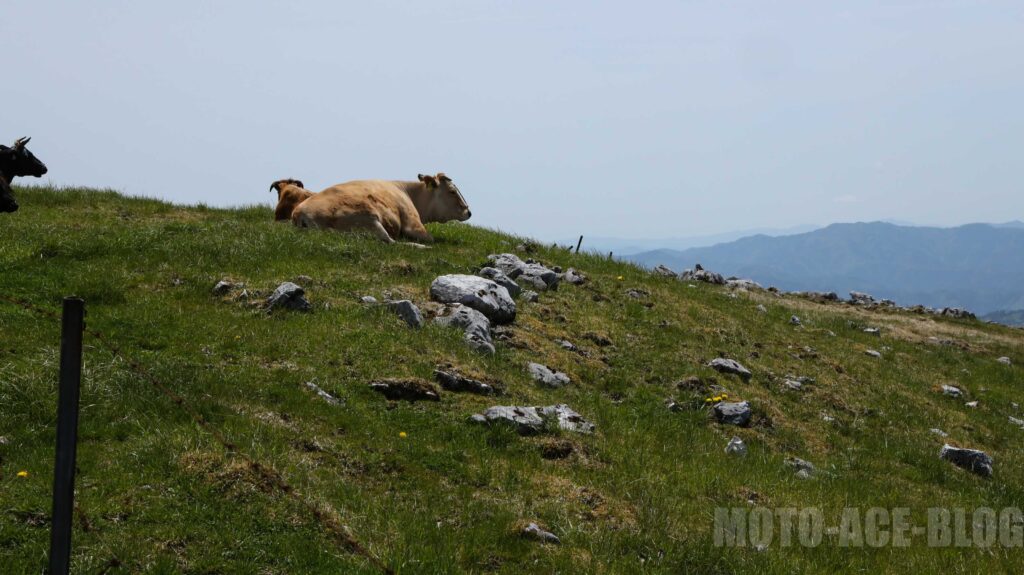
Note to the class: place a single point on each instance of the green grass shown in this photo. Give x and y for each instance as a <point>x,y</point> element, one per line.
<point>159,494</point>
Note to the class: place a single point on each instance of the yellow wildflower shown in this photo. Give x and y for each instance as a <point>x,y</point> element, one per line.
<point>23,473</point>
<point>620,278</point>
<point>403,435</point>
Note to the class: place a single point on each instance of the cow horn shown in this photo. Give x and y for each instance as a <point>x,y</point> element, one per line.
<point>21,142</point>
<point>272,186</point>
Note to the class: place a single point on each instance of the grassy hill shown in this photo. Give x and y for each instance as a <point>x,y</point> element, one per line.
<point>308,486</point>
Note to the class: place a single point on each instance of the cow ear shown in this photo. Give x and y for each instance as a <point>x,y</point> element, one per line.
<point>299,183</point>
<point>428,180</point>
<point>441,177</point>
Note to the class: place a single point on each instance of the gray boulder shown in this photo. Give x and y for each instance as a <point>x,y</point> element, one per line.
<point>499,277</point>
<point>475,326</point>
<point>544,375</point>
<point>872,353</point>
<point>531,296</point>
<point>736,447</point>
<point>368,300</point>
<point>861,298</point>
<point>664,271</point>
<point>573,277</point>
<point>509,264</point>
<point>703,275</point>
<point>804,469</point>
<point>794,320</point>
<point>732,366</point>
<point>461,383</point>
<point>533,531</point>
<point>970,459</point>
<point>1005,361</point>
<point>742,283</point>
<point>481,294</point>
<point>539,277</point>
<point>733,413</point>
<point>223,287</point>
<point>408,311</point>
<point>530,420</point>
<point>289,296</point>
<point>952,391</point>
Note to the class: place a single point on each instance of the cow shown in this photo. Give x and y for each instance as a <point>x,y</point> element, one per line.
<point>388,209</point>
<point>15,162</point>
<point>290,193</point>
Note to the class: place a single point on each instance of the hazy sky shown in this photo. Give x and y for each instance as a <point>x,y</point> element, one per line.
<point>633,119</point>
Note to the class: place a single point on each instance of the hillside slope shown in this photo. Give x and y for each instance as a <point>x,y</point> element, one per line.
<point>309,486</point>
<point>979,267</point>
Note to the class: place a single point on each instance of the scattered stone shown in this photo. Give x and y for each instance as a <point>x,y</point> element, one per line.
<point>223,287</point>
<point>574,277</point>
<point>872,353</point>
<point>531,296</point>
<point>567,345</point>
<point>546,376</point>
<point>289,296</point>
<point>499,277</point>
<point>804,469</point>
<point>532,531</point>
<point>736,447</point>
<point>740,283</point>
<point>368,299</point>
<point>539,277</point>
<point>793,384</point>
<point>1017,422</point>
<point>481,294</point>
<point>475,325</point>
<point>407,389</point>
<point>970,459</point>
<point>794,320</point>
<point>636,293</point>
<point>952,391</point>
<point>724,365</point>
<point>761,308</point>
<point>509,264</point>
<point>861,298</point>
<point>733,413</point>
<point>1005,361</point>
<point>957,313</point>
<point>873,331</point>
<point>530,420</point>
<point>322,394</point>
<point>972,404</point>
<point>827,418</point>
<point>303,280</point>
<point>703,275</point>
<point>599,339</point>
<point>408,312</point>
<point>938,432</point>
<point>459,383</point>
<point>664,271</point>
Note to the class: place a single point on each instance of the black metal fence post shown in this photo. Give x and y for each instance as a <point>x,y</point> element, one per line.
<point>72,327</point>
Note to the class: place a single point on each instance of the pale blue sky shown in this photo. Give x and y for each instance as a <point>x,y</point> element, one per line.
<point>639,119</point>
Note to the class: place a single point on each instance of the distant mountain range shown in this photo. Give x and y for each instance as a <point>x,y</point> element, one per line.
<point>623,247</point>
<point>977,266</point>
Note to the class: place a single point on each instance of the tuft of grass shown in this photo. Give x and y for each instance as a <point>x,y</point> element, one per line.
<point>158,493</point>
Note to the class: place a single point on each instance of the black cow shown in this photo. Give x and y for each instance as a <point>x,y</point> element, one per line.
<point>15,162</point>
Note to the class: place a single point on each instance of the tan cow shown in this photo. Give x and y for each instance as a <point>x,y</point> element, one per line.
<point>290,193</point>
<point>388,209</point>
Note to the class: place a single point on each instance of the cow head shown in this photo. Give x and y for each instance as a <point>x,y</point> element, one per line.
<point>14,162</point>
<point>280,185</point>
<point>446,201</point>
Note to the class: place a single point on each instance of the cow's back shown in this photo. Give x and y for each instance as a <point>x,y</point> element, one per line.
<point>351,204</point>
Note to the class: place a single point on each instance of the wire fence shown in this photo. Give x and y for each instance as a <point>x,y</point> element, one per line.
<point>337,532</point>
